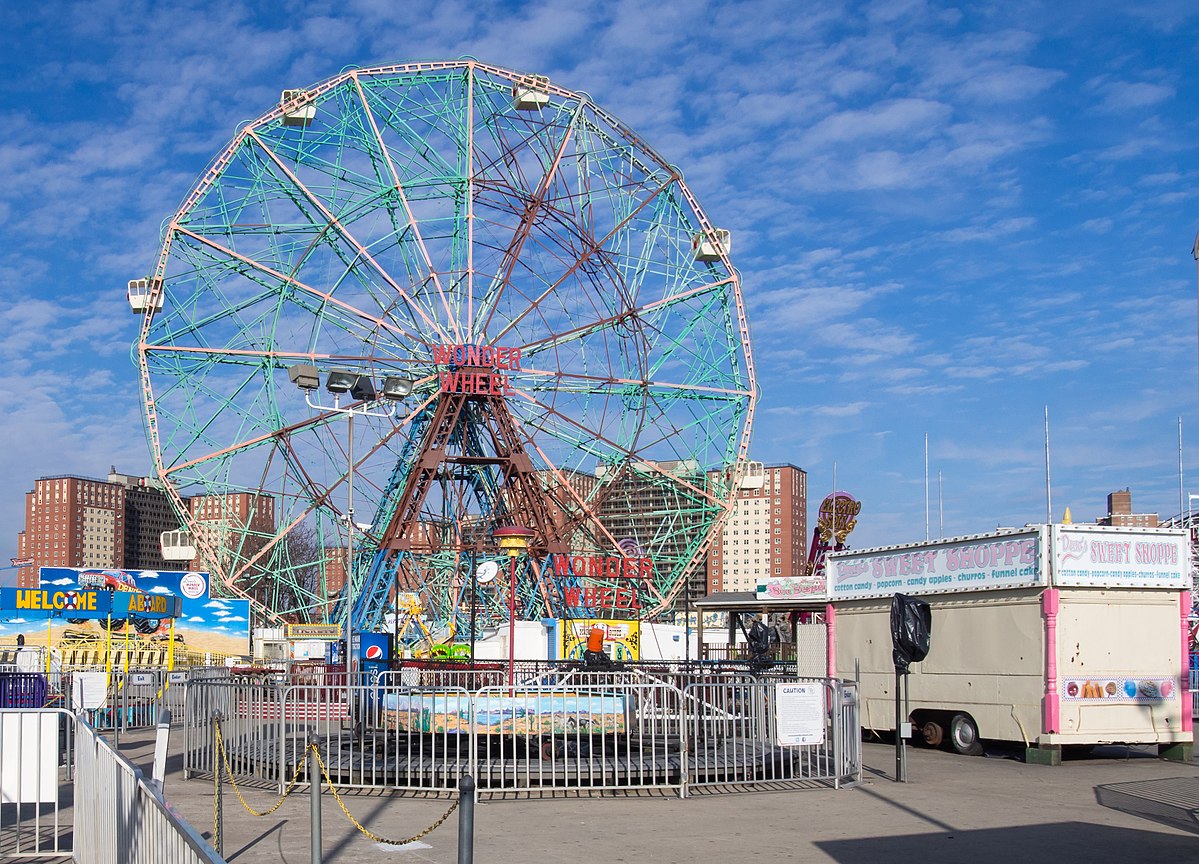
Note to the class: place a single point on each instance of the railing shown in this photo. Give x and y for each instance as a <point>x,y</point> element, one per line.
<point>736,736</point>
<point>36,756</point>
<point>125,699</point>
<point>553,729</point>
<point>573,734</point>
<point>121,819</point>
<point>782,653</point>
<point>67,795</point>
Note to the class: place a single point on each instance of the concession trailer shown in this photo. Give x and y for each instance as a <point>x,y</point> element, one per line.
<point>1056,636</point>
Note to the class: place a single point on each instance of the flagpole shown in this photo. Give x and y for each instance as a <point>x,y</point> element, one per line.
<point>925,487</point>
<point>1048,484</point>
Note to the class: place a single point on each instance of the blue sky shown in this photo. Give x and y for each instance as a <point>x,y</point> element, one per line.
<point>946,217</point>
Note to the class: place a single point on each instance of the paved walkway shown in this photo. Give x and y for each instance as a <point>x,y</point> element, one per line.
<point>953,809</point>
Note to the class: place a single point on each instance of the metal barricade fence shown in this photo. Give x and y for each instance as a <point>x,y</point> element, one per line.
<point>385,736</point>
<point>576,734</point>
<point>562,730</point>
<point>132,825</point>
<point>174,693</point>
<point>426,717</point>
<point>37,759</point>
<point>251,725</point>
<point>847,729</point>
<point>123,699</point>
<point>734,738</point>
<point>22,690</point>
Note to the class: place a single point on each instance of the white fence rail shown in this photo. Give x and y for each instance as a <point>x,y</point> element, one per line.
<point>35,794</point>
<point>67,795</point>
<point>121,819</point>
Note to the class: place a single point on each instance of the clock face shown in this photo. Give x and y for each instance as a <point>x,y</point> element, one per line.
<point>486,571</point>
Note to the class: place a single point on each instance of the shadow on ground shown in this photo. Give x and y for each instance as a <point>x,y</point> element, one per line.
<point>1172,801</point>
<point>1055,842</point>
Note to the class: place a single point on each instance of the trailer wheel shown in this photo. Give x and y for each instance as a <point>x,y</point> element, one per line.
<point>933,732</point>
<point>963,735</point>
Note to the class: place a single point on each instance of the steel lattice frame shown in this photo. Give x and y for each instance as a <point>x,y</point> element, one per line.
<point>418,208</point>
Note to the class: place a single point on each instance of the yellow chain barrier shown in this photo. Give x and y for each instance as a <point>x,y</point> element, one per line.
<point>366,831</point>
<point>220,744</point>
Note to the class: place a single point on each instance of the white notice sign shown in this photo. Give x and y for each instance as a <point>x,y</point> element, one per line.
<point>88,690</point>
<point>799,713</point>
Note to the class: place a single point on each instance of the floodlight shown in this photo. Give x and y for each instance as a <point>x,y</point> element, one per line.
<point>304,376</point>
<point>340,380</point>
<point>364,389</point>
<point>395,387</point>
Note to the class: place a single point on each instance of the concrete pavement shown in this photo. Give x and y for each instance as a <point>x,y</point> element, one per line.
<point>953,809</point>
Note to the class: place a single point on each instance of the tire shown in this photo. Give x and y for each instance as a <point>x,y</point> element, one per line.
<point>963,735</point>
<point>145,626</point>
<point>933,733</point>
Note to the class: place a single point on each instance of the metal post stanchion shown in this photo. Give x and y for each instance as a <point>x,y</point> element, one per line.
<point>466,820</point>
<point>901,761</point>
<point>314,786</point>
<point>218,806</point>
<point>118,714</point>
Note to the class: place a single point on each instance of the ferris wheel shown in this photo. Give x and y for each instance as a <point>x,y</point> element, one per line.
<point>450,298</point>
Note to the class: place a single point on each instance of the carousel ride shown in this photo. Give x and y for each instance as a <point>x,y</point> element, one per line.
<point>413,306</point>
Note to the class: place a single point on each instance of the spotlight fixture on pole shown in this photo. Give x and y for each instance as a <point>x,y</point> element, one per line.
<point>359,386</point>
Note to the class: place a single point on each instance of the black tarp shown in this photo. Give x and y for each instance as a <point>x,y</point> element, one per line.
<point>911,630</point>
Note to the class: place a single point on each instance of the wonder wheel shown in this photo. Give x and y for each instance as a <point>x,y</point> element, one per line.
<point>449,298</point>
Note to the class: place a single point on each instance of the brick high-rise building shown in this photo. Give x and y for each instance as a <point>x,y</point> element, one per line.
<point>73,521</point>
<point>766,534</point>
<point>148,513</point>
<point>564,501</point>
<point>1119,512</point>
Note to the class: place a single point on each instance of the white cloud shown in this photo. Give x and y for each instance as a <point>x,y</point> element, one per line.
<point>862,153</point>
<point>903,118</point>
<point>1125,95</point>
